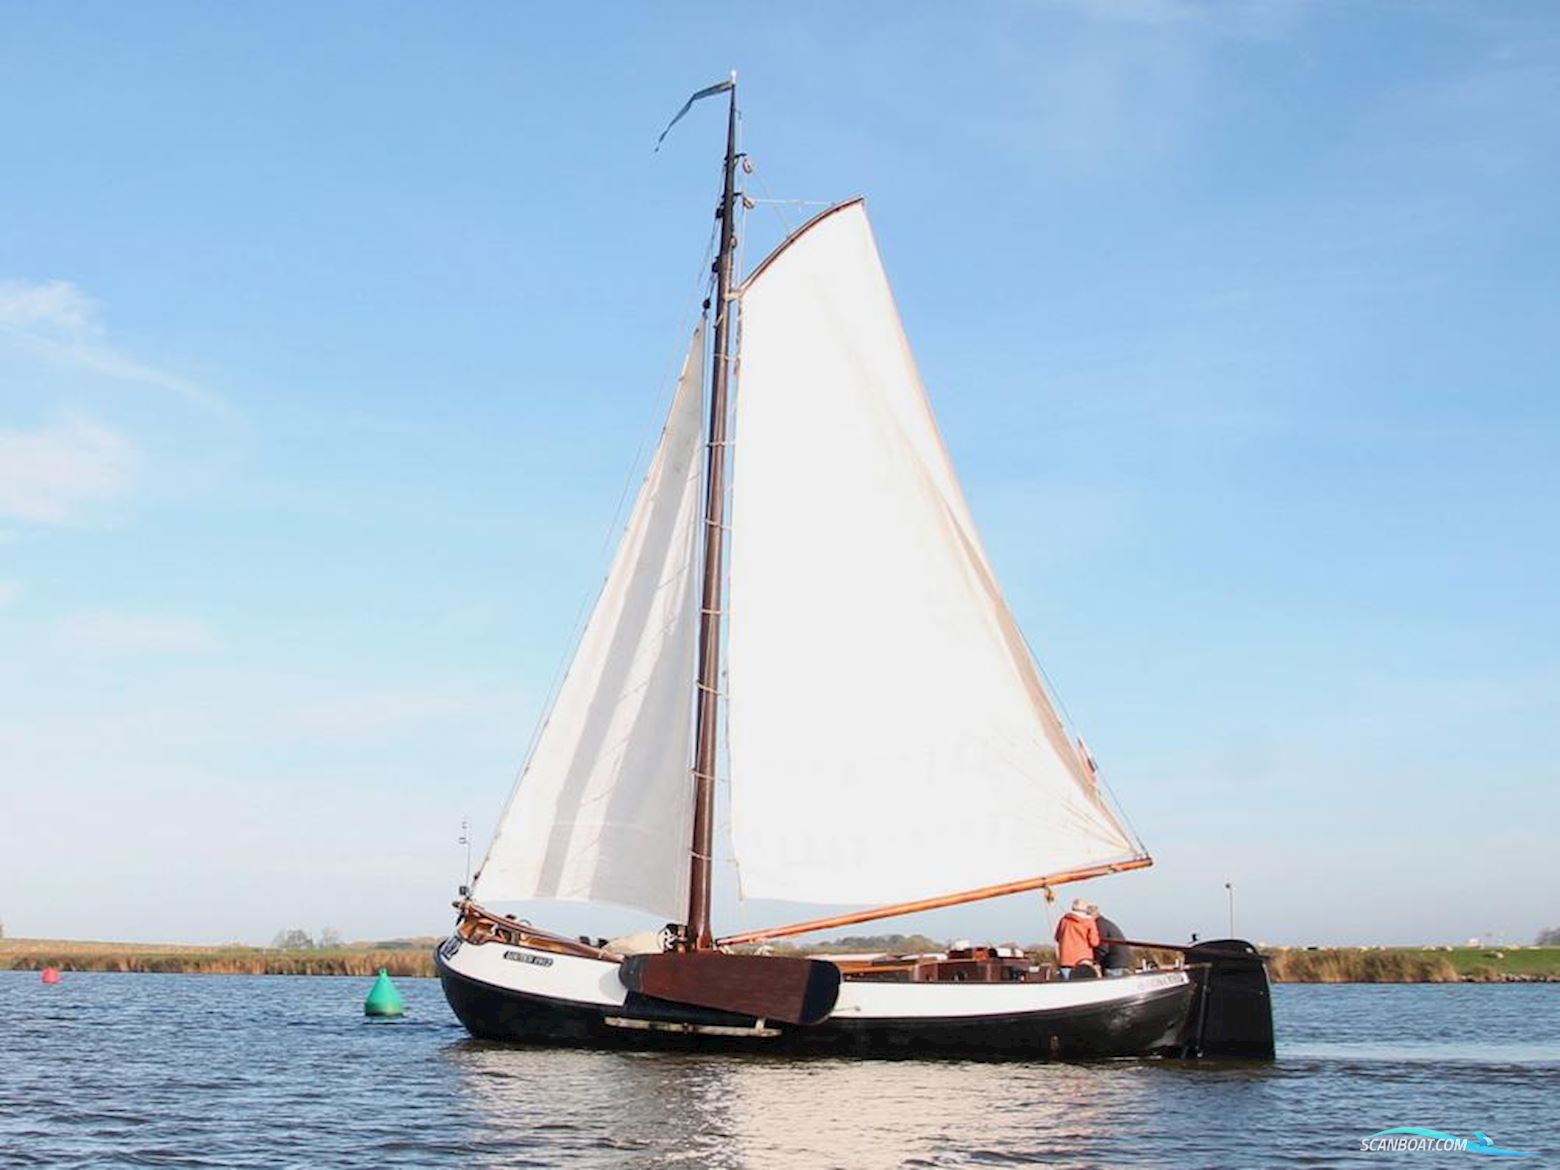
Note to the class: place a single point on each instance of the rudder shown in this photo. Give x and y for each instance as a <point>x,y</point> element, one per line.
<point>1232,1016</point>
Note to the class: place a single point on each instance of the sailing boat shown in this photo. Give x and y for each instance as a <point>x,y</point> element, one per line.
<point>890,741</point>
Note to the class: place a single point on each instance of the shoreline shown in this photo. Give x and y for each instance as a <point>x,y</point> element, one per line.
<point>413,958</point>
<point>402,958</point>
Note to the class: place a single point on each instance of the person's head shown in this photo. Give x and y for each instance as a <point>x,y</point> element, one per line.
<point>1094,909</point>
<point>1079,906</point>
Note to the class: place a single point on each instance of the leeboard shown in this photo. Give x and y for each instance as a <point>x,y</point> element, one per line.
<point>766,987</point>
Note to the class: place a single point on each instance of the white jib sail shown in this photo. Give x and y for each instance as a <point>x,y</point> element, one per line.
<point>604,809</point>
<point>889,736</point>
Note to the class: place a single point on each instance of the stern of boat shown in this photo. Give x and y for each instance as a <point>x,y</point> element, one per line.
<point>1231,1016</point>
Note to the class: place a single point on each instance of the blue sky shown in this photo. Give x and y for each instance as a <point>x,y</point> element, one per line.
<point>329,336</point>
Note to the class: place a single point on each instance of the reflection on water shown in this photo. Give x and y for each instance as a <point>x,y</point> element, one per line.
<point>222,1071</point>
<point>668,1109</point>
<point>1353,1060</point>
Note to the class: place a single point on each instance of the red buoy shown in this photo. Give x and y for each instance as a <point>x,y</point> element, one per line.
<point>51,974</point>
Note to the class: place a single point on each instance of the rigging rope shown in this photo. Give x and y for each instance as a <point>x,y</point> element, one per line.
<point>1071,728</point>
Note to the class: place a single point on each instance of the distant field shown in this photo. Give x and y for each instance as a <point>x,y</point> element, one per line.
<point>1522,961</point>
<point>414,957</point>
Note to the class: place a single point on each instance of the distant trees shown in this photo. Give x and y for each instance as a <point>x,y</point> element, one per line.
<point>297,939</point>
<point>1549,938</point>
<point>901,944</point>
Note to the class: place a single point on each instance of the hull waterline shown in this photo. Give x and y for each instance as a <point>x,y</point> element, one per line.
<point>525,1001</point>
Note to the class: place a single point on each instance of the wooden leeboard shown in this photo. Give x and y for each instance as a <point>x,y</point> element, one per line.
<point>767,987</point>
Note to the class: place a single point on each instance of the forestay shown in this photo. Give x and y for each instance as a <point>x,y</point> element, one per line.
<point>889,735</point>
<point>603,810</point>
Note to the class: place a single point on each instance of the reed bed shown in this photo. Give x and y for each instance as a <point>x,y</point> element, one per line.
<point>1342,965</point>
<point>414,958</point>
<point>36,954</point>
<point>1415,965</point>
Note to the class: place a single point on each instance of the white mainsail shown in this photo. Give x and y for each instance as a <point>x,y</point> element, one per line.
<point>889,736</point>
<point>603,811</point>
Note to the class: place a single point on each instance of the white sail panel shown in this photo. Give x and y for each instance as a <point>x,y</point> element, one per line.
<point>889,736</point>
<point>604,809</point>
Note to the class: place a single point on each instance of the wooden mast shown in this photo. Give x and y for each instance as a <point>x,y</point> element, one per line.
<point>697,935</point>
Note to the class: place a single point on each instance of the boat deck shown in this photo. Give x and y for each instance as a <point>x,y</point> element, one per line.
<point>961,965</point>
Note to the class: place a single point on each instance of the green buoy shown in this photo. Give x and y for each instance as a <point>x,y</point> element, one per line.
<point>384,999</point>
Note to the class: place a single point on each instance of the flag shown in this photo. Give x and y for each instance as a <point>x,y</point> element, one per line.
<point>721,87</point>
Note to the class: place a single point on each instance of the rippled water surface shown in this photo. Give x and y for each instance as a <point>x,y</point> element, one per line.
<point>179,1070</point>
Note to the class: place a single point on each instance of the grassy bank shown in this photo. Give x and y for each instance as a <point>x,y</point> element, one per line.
<point>414,957</point>
<point>408,957</point>
<point>1415,965</point>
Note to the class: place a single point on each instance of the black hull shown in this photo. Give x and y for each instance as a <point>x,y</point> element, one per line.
<point>1151,1023</point>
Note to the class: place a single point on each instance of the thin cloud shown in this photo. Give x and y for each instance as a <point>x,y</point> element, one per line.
<point>380,709</point>
<point>1236,19</point>
<point>10,591</point>
<point>57,322</point>
<point>106,632</point>
<point>57,473</point>
<point>56,304</point>
<point>1084,87</point>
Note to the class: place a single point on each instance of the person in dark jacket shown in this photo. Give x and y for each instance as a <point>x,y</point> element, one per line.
<point>1110,955</point>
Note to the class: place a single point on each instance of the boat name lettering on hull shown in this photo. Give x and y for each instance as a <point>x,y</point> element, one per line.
<point>528,957</point>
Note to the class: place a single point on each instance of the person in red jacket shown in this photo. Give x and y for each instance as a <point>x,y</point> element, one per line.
<point>1077,936</point>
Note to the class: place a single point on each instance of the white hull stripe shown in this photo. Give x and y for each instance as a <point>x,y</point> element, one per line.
<point>594,982</point>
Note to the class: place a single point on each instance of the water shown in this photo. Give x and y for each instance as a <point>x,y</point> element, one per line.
<point>218,1071</point>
